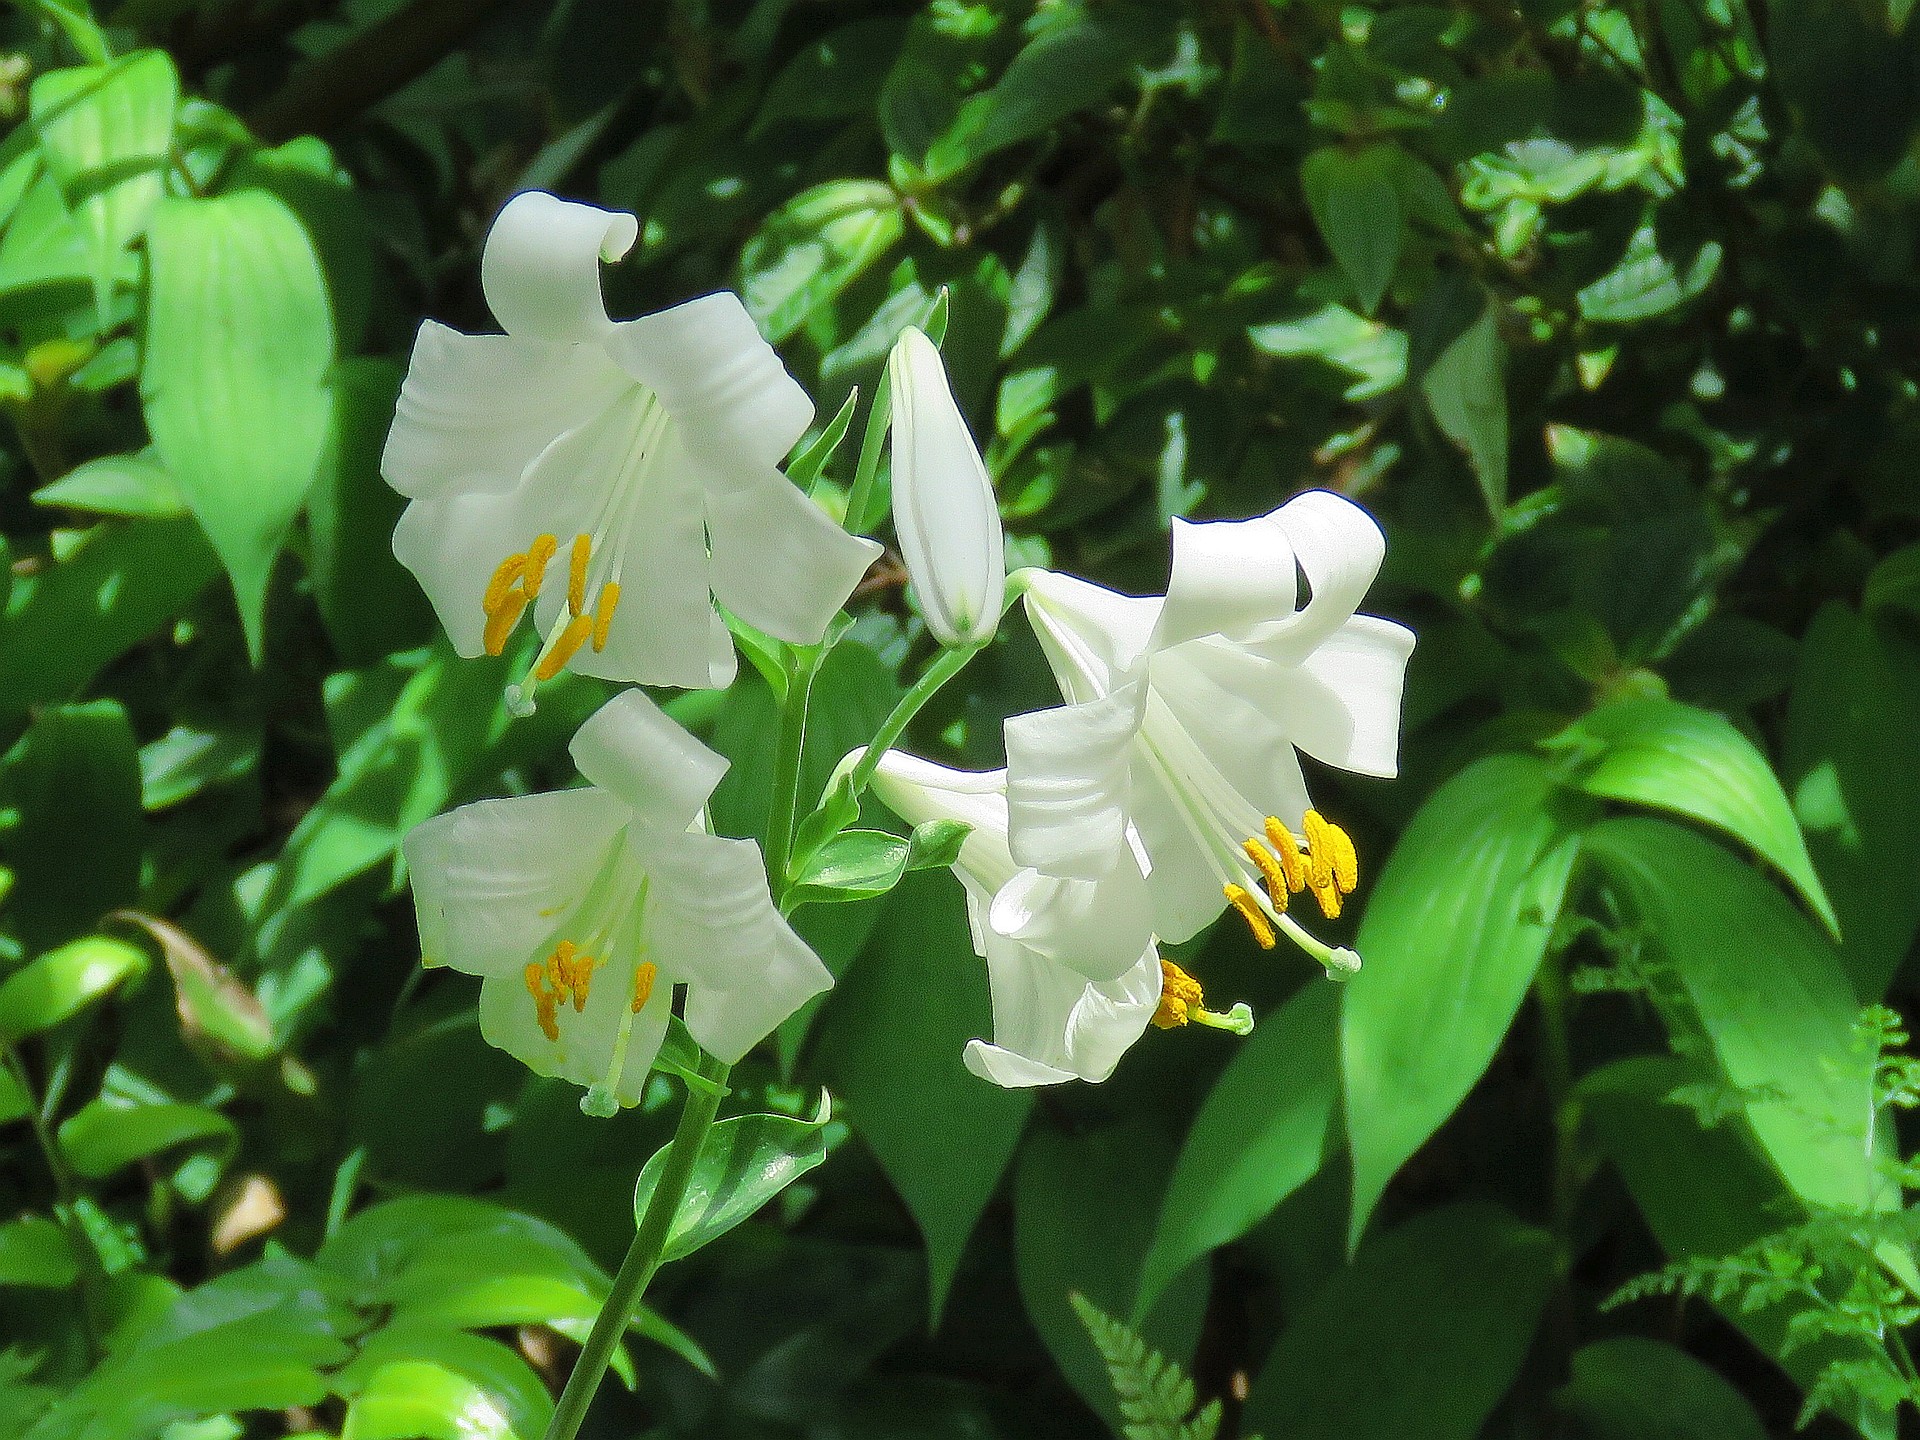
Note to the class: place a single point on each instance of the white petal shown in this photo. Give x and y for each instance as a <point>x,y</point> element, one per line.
<point>541,266</point>
<point>493,881</point>
<point>712,923</point>
<point>779,562</point>
<point>583,1049</point>
<point>1096,928</point>
<point>718,378</point>
<point>1184,884</point>
<point>918,791</point>
<point>630,748</point>
<point>1067,784</point>
<point>476,409</point>
<point>944,507</point>
<point>1050,1024</point>
<point>1092,636</point>
<point>1341,704</point>
<point>1339,547</point>
<point>1228,576</point>
<point>662,628</point>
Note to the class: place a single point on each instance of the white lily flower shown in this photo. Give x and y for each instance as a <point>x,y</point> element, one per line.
<point>944,508</point>
<point>612,477</point>
<point>582,910</point>
<point>1185,712</point>
<point>1050,1022</point>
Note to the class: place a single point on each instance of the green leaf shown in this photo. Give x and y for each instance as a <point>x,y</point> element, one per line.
<point>1629,1388</point>
<point>1421,1335</point>
<point>1375,355</point>
<point>423,1400</point>
<point>1647,282</point>
<point>1449,944</point>
<point>813,247</point>
<point>745,1162</point>
<point>37,1253</point>
<point>1152,1396</point>
<point>1263,1131</point>
<point>1465,388</point>
<point>240,411</point>
<point>496,1375</point>
<point>134,486</point>
<point>75,779</point>
<point>1849,762</point>
<point>853,865</point>
<point>1894,583</point>
<point>835,77</point>
<point>63,982</point>
<point>1674,757</point>
<point>1082,1220</point>
<point>1707,1192</point>
<point>1356,203</point>
<point>893,1033</point>
<point>95,602</point>
<point>106,131</point>
<point>105,1135</point>
<point>1770,995</point>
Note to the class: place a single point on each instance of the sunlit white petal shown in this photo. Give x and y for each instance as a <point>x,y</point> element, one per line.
<point>540,268</point>
<point>779,563</point>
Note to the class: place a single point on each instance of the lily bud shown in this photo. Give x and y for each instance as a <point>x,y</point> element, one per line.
<point>943,503</point>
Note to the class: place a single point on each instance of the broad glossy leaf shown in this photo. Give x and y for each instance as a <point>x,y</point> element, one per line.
<point>1466,390</point>
<point>1449,943</point>
<point>1649,281</point>
<point>75,854</point>
<point>1375,355</point>
<point>105,1135</point>
<point>240,409</point>
<point>745,1162</point>
<point>105,131</point>
<point>132,486</point>
<point>184,762</point>
<point>63,982</point>
<point>36,1252</point>
<point>423,1400</point>
<point>1262,1132</point>
<point>833,78</point>
<point>497,1374</point>
<point>894,1030</point>
<point>813,247</point>
<point>853,865</point>
<point>1706,1192</point>
<point>1356,203</point>
<point>1770,994</point>
<point>1849,762</point>
<point>1082,1219</point>
<point>93,603</point>
<point>1629,1388</point>
<point>1674,757</point>
<point>1421,1335</point>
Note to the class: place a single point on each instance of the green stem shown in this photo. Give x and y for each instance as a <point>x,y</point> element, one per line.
<point>643,1256</point>
<point>784,807</point>
<point>949,664</point>
<point>860,496</point>
<point>92,1275</point>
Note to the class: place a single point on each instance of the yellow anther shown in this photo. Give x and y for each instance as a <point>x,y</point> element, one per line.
<point>1241,900</point>
<point>560,968</point>
<point>500,621</point>
<point>644,974</point>
<point>608,602</point>
<point>535,571</point>
<point>1329,897</point>
<point>1288,849</point>
<point>545,1001</point>
<point>1346,859</point>
<point>577,574</point>
<point>1179,995</point>
<point>504,579</point>
<point>1320,846</point>
<point>1271,870</point>
<point>564,649</point>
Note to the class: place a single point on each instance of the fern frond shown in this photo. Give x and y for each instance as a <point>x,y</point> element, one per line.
<point>1155,1395</point>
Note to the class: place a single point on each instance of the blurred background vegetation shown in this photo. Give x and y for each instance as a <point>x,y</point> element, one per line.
<point>1607,310</point>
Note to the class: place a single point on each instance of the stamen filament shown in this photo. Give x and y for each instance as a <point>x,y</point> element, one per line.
<point>1242,900</point>
<point>1338,961</point>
